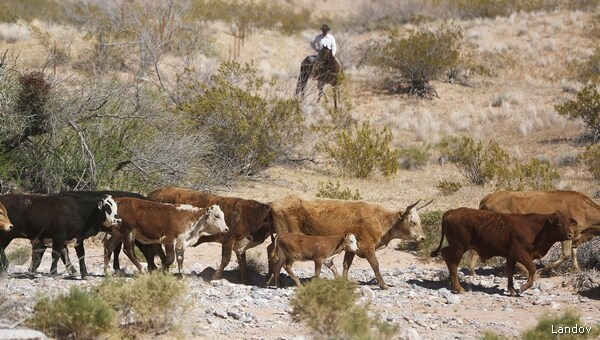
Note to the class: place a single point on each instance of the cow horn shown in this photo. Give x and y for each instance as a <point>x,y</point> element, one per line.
<point>413,205</point>
<point>426,204</point>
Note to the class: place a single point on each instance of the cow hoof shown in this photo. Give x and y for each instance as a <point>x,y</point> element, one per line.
<point>384,286</point>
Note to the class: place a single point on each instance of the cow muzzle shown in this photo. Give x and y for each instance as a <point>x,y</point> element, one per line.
<point>8,227</point>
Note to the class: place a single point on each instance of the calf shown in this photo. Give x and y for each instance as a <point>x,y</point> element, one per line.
<point>172,225</point>
<point>5,224</point>
<point>57,219</point>
<point>518,238</point>
<point>291,247</point>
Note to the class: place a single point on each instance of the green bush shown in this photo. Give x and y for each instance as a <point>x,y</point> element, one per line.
<point>431,222</point>
<point>329,308</point>
<point>414,157</point>
<point>363,151</point>
<point>250,132</point>
<point>330,190</point>
<point>418,58</point>
<point>591,160</point>
<point>447,187</point>
<point>152,300</point>
<point>77,314</point>
<point>585,107</point>
<point>545,325</point>
<point>19,256</point>
<point>480,165</point>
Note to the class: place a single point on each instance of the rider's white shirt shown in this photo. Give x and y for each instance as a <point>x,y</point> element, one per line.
<point>320,41</point>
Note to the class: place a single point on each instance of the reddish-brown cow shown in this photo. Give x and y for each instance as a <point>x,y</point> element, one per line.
<point>5,224</point>
<point>247,220</point>
<point>291,247</point>
<point>518,238</point>
<point>172,225</point>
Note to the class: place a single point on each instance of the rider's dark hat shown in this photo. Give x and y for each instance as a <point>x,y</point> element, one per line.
<point>325,28</point>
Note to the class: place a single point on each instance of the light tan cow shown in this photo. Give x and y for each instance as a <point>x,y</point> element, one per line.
<point>372,225</point>
<point>571,203</point>
<point>5,224</point>
<point>291,247</point>
<point>172,225</point>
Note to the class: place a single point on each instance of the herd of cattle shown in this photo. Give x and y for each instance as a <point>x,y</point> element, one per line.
<point>519,226</point>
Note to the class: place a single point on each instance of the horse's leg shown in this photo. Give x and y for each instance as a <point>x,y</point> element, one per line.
<point>335,96</point>
<point>320,86</point>
<point>303,78</point>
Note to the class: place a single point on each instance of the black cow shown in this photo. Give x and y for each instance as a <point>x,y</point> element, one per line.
<point>57,219</point>
<point>38,248</point>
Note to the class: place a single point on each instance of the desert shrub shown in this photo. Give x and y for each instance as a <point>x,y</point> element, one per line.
<point>150,302</point>
<point>591,160</point>
<point>547,323</point>
<point>418,58</point>
<point>585,107</point>
<point>250,132</point>
<point>489,335</point>
<point>19,256</point>
<point>13,10</point>
<point>330,190</point>
<point>329,308</point>
<point>468,9</point>
<point>362,151</point>
<point>482,164</point>
<point>414,157</point>
<point>447,187</point>
<point>76,313</point>
<point>589,70</point>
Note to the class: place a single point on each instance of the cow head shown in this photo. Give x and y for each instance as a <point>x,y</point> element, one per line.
<point>5,224</point>
<point>215,221</point>
<point>406,227</point>
<point>563,225</point>
<point>109,207</point>
<point>350,243</point>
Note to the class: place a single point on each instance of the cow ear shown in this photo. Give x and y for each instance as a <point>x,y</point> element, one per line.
<point>573,221</point>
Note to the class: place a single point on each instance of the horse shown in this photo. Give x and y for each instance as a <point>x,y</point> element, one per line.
<point>324,68</point>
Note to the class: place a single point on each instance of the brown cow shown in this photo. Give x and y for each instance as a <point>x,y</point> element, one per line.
<point>518,238</point>
<point>244,217</point>
<point>172,225</point>
<point>373,226</point>
<point>576,205</point>
<point>291,247</point>
<point>5,224</point>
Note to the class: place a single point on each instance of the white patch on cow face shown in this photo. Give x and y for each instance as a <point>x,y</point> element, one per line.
<point>215,221</point>
<point>109,207</point>
<point>186,207</point>
<point>350,243</point>
<point>414,225</point>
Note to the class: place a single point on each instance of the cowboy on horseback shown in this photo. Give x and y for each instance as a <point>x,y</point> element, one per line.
<point>324,40</point>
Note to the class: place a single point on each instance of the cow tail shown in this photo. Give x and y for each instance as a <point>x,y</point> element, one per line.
<point>436,252</point>
<point>274,256</point>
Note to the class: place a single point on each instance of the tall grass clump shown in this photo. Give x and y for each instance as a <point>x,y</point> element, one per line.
<point>591,160</point>
<point>414,157</point>
<point>19,256</point>
<point>330,309</point>
<point>149,303</point>
<point>548,323</point>
<point>335,191</point>
<point>76,314</point>
<point>363,151</point>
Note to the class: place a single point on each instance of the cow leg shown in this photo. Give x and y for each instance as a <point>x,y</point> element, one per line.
<point>370,256</point>
<point>452,258</point>
<point>574,257</point>
<point>566,250</point>
<point>3,258</point>
<point>37,251</point>
<point>528,263</point>
<point>58,245</point>
<point>241,258</point>
<point>473,261</point>
<point>64,256</point>
<point>225,258</point>
<point>170,251</point>
<point>151,250</point>
<point>179,252</point>
<point>109,242</point>
<point>510,271</point>
<point>288,268</point>
<point>81,255</point>
<point>318,266</point>
<point>348,258</point>
<point>277,271</point>
<point>128,250</point>
<point>329,263</point>
<point>116,253</point>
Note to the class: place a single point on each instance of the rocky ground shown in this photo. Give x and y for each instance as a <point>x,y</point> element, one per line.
<point>418,299</point>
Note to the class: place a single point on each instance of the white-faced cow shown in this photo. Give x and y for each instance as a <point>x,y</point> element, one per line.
<point>5,224</point>
<point>518,238</point>
<point>373,226</point>
<point>57,219</point>
<point>574,204</point>
<point>172,225</point>
<point>290,247</point>
<point>247,220</point>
